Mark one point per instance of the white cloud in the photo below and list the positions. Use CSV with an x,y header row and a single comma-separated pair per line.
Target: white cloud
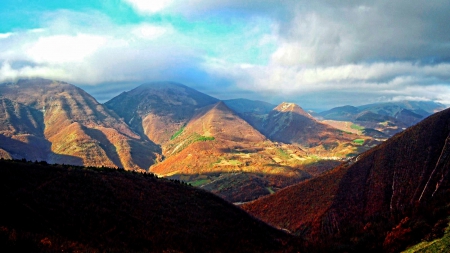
x,y
376,80
58,49
383,49
149,7
8,73
102,52
5,35
148,31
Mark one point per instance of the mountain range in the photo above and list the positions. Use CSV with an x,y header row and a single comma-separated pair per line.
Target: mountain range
x,y
382,200
239,149
380,120
60,123
172,130
328,189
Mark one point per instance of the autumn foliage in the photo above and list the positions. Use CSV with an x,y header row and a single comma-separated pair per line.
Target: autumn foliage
x,y
55,208
385,199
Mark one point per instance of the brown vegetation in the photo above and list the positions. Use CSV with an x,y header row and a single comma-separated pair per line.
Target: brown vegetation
x,y
55,208
60,123
363,204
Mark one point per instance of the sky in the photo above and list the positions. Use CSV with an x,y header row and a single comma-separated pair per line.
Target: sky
x,y
318,54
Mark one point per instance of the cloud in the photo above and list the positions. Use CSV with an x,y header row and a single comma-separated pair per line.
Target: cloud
x,y
318,52
329,33
147,31
9,73
57,49
92,55
149,7
5,35
359,83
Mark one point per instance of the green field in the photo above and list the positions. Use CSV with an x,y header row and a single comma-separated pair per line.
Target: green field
x,y
270,190
177,133
204,138
438,245
199,182
357,127
283,154
358,141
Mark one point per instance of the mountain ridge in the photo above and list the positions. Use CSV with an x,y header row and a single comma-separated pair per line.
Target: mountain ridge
x,y
54,208
402,179
158,109
75,128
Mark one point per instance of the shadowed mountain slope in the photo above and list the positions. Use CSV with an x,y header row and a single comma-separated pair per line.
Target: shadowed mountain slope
x,y
385,199
289,123
389,118
69,126
55,208
158,110
253,111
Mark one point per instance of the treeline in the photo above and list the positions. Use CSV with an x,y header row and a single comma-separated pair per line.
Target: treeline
x,y
145,174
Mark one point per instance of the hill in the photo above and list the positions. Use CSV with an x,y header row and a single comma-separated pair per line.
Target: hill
x,y
385,199
56,208
60,123
289,123
159,109
217,145
388,118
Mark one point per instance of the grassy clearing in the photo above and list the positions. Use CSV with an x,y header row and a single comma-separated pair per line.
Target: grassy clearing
x,y
283,154
234,162
177,133
189,140
358,141
204,138
224,162
357,127
199,182
438,245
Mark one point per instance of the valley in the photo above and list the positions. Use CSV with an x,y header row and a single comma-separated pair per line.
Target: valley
x,y
239,149
369,178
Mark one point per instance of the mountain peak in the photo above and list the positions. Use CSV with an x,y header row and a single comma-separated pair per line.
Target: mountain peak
x,y
160,85
285,106
159,109
292,107
222,106
382,187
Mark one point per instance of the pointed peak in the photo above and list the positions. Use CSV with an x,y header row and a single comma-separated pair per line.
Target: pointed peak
x,y
291,107
221,106
285,106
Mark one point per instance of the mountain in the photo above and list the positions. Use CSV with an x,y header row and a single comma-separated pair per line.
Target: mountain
x,y
289,123
63,208
21,129
216,144
341,113
388,118
385,199
423,108
60,123
157,110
